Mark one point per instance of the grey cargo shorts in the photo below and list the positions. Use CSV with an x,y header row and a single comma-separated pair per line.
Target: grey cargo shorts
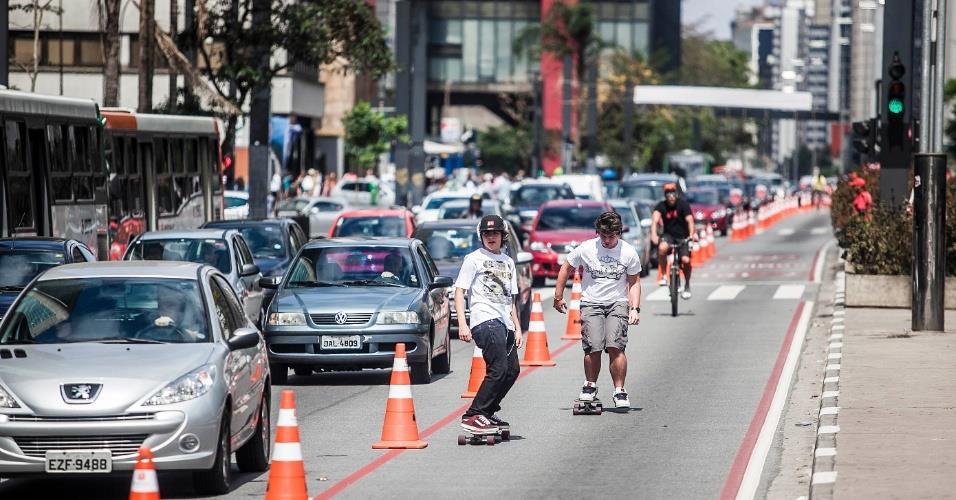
x,y
603,326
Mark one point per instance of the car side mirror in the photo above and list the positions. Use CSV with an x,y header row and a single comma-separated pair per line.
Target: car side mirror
x,y
416,210
244,338
270,282
646,222
626,229
249,270
314,210
441,282
524,258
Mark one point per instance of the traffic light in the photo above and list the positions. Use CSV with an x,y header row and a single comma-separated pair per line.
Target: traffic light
x,y
865,138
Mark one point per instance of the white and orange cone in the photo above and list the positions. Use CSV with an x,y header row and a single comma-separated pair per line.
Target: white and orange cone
x,y
573,329
711,243
536,353
400,429
478,371
145,486
287,472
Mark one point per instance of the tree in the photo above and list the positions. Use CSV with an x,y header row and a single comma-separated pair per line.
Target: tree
x,y
38,8
708,62
308,33
369,133
109,14
147,54
505,149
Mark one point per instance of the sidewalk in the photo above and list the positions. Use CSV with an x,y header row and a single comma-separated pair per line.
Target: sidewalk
x,y
896,434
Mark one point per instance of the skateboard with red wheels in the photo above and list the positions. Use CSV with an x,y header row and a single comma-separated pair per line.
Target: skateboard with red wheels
x,y
580,407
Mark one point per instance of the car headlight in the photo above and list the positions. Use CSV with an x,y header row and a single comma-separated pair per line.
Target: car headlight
x,y
286,319
189,386
6,400
699,215
718,214
398,318
538,246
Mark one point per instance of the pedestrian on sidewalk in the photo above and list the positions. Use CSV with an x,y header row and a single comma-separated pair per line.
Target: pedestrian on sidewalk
x,y
490,278
610,302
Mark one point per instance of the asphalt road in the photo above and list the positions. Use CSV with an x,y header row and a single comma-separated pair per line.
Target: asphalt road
x,y
695,384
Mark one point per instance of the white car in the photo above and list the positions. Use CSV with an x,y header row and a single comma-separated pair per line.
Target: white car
x,y
431,206
358,192
236,205
321,211
585,186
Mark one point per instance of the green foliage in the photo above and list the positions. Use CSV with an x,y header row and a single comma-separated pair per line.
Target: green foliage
x,y
369,133
709,62
505,149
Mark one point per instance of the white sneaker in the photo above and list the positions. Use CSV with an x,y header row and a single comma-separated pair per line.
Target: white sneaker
x,y
662,282
685,295
621,401
588,393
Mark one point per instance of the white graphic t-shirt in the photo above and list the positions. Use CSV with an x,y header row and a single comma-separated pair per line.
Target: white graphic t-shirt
x,y
604,277
492,282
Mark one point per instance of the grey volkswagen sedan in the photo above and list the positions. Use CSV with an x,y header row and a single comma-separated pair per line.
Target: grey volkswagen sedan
x,y
101,358
346,302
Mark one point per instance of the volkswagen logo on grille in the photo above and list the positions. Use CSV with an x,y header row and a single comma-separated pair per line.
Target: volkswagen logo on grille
x,y
79,394
341,318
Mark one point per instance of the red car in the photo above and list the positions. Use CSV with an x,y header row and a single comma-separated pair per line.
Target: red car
x,y
389,223
705,203
560,226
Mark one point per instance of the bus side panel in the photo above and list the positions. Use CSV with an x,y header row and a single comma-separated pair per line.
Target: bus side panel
x,y
190,216
80,222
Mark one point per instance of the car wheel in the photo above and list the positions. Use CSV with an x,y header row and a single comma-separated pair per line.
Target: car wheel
x,y
442,364
421,373
537,281
215,481
525,316
279,374
254,455
302,371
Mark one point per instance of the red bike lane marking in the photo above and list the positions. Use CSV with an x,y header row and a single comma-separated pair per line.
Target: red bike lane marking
x,y
370,467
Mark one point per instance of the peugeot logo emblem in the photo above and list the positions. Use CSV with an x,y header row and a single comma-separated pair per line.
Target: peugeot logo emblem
x,y
341,318
80,393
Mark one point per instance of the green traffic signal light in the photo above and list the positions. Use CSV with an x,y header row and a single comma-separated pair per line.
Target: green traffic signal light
x,y
895,105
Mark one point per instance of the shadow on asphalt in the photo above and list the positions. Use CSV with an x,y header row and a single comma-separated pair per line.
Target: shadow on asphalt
x,y
114,486
353,378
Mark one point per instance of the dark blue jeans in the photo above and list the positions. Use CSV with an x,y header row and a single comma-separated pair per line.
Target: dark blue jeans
x,y
497,345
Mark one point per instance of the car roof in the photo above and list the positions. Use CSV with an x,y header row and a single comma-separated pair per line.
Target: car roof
x,y
449,223
702,189
645,178
620,201
352,241
33,243
541,182
237,223
189,234
124,268
375,212
572,203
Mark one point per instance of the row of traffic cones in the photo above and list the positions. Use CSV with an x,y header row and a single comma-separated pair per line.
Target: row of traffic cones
x,y
705,249
746,224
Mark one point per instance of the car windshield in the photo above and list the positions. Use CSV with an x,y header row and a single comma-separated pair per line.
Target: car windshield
x,y
361,265
534,196
459,209
235,202
18,267
393,227
294,204
573,217
134,310
627,215
703,197
438,201
265,242
449,243
213,252
644,191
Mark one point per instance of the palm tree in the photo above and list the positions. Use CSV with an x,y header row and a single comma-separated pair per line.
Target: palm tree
x,y
110,16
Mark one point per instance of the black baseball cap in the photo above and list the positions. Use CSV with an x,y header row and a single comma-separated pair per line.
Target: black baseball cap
x,y
491,223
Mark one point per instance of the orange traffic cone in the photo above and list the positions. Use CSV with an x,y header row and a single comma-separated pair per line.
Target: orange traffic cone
x,y
573,330
478,372
144,486
400,429
287,472
695,255
703,247
537,353
712,241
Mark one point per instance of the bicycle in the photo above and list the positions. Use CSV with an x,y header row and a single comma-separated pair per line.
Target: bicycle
x,y
674,272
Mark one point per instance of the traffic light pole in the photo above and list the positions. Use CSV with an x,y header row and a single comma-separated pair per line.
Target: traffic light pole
x,y
929,181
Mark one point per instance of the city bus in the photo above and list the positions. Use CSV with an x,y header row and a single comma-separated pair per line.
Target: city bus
x,y
164,173
53,180
688,163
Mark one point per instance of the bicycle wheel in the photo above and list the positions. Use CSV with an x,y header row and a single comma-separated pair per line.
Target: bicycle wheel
x,y
674,279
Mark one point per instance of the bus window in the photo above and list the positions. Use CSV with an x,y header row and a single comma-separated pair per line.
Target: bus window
x,y
19,184
161,155
60,178
115,156
192,166
77,142
132,156
176,157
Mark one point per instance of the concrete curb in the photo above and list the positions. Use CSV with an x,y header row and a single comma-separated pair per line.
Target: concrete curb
x,y
824,474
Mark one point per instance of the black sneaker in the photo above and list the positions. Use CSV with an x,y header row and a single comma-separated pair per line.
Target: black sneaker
x,y
479,425
588,393
497,421
621,401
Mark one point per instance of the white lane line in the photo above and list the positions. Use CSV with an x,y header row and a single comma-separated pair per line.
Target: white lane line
x,y
836,328
825,452
830,410
831,380
726,292
829,429
836,345
818,267
836,320
836,336
661,294
830,394
758,457
832,367
835,355
820,230
839,312
786,232
789,292
828,477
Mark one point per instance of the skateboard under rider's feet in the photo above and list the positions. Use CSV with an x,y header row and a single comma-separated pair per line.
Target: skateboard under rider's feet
x,y
503,434
581,407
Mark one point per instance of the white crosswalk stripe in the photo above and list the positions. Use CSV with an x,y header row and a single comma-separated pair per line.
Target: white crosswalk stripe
x,y
789,292
661,294
786,232
726,292
820,230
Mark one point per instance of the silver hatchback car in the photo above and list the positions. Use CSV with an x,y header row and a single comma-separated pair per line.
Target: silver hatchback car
x,y
101,358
